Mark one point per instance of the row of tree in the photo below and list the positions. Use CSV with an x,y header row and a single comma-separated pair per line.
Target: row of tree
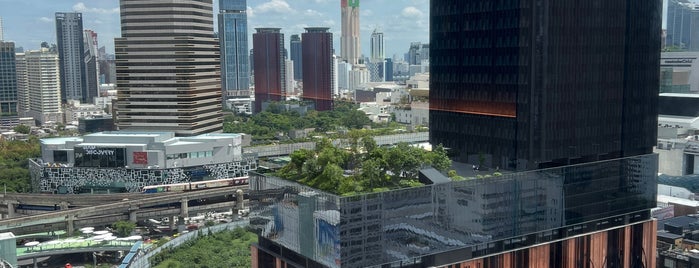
x,y
360,166
223,249
14,164
266,125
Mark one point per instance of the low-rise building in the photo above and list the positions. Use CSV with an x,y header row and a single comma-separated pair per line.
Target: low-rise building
x,y
128,161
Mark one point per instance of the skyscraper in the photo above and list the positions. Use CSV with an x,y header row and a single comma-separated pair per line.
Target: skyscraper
x,y
682,25
233,36
168,75
8,85
579,90
350,48
318,67
269,66
44,86
377,46
22,85
92,71
69,34
296,56
1,30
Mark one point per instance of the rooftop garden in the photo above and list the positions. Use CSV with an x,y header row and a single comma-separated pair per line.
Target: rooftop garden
x,y
360,166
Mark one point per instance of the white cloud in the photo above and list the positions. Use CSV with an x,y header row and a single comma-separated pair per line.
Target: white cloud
x,y
45,19
312,13
250,12
274,6
411,12
80,7
366,12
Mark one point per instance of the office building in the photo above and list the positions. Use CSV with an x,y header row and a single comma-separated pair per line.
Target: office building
x,y
43,88
127,161
8,86
570,124
69,35
343,75
297,56
377,46
388,69
168,71
318,67
1,30
682,25
233,37
269,66
350,48
92,71
679,72
289,76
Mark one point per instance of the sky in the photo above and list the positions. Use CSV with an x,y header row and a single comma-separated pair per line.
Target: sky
x,y
30,22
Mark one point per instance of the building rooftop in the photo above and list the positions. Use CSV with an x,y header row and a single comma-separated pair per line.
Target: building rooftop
x,y
4,236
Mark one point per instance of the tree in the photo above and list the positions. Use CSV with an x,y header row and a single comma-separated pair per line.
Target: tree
x,y
123,228
23,129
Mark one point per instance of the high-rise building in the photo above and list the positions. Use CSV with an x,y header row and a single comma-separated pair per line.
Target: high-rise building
x,y
297,56
8,86
22,85
682,25
289,76
168,71
554,102
69,35
233,36
269,66
377,46
350,48
526,95
1,30
44,86
318,67
343,75
92,71
388,69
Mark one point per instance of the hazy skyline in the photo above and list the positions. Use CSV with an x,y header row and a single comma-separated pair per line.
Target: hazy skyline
x,y
30,22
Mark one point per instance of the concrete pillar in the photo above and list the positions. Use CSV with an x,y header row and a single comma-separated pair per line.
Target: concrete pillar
x,y
181,225
184,208
132,216
70,224
240,198
171,220
11,206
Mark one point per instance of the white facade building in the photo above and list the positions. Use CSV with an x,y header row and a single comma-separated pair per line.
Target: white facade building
x,y
43,86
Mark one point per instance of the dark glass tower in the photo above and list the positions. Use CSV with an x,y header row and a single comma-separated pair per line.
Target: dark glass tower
x,y
296,56
8,85
317,67
69,35
269,67
233,36
534,84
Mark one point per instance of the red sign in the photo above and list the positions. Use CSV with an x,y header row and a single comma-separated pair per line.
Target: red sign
x,y
140,158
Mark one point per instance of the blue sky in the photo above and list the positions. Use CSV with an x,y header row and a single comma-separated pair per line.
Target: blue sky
x,y
29,22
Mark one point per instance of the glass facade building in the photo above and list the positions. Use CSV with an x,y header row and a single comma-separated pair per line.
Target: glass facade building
x,y
318,66
297,56
269,66
536,84
233,37
440,224
8,86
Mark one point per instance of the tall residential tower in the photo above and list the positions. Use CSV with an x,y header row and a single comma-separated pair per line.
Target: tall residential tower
x,y
269,66
69,35
350,48
318,67
168,72
233,37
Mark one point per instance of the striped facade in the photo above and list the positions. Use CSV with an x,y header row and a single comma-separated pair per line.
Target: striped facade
x,y
168,67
